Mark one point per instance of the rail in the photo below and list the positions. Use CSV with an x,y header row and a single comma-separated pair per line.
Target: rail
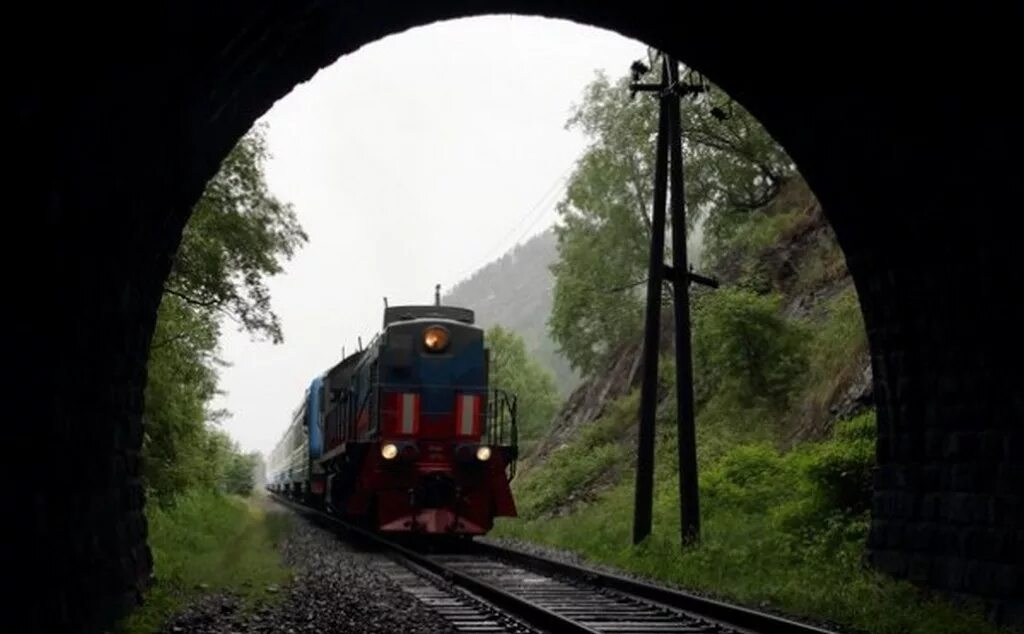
x,y
555,596
733,615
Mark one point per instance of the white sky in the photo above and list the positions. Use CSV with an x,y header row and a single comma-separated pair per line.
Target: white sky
x,y
411,162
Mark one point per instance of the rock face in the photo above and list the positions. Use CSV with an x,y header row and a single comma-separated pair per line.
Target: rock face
x,y
588,401
121,113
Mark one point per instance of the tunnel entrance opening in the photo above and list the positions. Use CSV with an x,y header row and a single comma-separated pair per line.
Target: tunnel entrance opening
x,y
934,288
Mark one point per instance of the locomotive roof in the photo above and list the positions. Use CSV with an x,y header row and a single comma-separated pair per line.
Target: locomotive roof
x,y
406,313
349,360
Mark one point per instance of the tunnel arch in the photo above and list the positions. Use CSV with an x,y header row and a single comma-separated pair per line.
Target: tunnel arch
x,y
115,156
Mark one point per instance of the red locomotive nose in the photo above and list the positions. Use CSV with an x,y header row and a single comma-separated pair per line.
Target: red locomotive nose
x,y
412,438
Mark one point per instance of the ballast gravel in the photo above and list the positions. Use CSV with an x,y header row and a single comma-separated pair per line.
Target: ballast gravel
x,y
335,589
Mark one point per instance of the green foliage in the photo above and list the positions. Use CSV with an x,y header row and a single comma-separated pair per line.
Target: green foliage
x,y
597,453
202,539
604,228
236,237
733,169
205,541
240,473
234,240
512,369
837,349
841,470
772,535
748,479
842,336
179,451
742,245
744,348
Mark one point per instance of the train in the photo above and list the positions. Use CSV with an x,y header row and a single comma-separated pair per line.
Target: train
x,y
405,435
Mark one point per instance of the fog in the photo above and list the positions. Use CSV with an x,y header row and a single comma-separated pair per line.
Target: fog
x,y
411,162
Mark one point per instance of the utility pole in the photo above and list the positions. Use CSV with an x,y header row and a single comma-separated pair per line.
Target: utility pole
x,y
644,492
669,155
686,438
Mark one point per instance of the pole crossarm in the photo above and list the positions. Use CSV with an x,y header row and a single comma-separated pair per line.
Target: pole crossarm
x,y
691,277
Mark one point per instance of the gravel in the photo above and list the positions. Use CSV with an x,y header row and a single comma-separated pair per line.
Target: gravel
x,y
335,589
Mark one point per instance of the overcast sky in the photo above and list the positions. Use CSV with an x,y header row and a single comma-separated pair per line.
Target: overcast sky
x,y
411,162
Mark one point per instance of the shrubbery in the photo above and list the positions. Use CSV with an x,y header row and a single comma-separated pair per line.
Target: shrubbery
x,y
237,237
841,469
780,529
742,347
512,369
595,454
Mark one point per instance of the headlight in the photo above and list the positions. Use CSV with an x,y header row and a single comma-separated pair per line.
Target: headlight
x,y
388,451
483,454
435,338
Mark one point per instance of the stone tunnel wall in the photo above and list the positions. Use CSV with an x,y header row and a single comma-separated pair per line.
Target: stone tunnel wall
x,y
948,507
117,128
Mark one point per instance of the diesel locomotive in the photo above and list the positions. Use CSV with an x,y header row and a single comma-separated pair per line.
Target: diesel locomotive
x,y
405,435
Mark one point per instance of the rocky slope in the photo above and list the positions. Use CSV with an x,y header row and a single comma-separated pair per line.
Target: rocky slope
x,y
804,264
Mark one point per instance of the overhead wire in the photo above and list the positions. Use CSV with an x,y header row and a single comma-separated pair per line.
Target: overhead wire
x,y
534,215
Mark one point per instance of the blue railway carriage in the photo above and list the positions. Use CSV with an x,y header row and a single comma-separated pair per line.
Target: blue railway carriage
x,y
289,470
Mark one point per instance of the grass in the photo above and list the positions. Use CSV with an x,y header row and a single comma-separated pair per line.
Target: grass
x,y
837,350
780,530
208,542
577,467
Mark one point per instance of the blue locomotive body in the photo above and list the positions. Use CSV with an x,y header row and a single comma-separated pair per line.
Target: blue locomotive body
x,y
405,435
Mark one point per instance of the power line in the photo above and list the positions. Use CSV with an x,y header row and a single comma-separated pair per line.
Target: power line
x,y
532,214
536,207
534,223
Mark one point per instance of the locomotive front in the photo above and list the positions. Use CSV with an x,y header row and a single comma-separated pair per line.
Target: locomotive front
x,y
446,440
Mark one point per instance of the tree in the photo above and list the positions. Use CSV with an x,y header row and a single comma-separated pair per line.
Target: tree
x,y
733,168
604,226
513,370
180,383
237,237
240,474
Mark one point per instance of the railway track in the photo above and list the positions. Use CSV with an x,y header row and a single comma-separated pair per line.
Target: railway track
x,y
465,612
487,588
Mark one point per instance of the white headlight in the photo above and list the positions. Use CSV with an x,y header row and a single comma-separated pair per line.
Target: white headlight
x,y
483,454
388,451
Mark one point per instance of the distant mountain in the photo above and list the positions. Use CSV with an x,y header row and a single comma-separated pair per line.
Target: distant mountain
x,y
515,291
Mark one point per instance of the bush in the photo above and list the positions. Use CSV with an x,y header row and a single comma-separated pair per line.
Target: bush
x,y
594,454
752,479
772,535
743,347
513,369
842,468
240,473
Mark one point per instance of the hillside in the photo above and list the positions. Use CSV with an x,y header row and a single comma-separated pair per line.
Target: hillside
x,y
514,291
792,253
785,475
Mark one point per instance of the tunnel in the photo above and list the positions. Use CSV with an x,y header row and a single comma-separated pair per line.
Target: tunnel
x,y
901,118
